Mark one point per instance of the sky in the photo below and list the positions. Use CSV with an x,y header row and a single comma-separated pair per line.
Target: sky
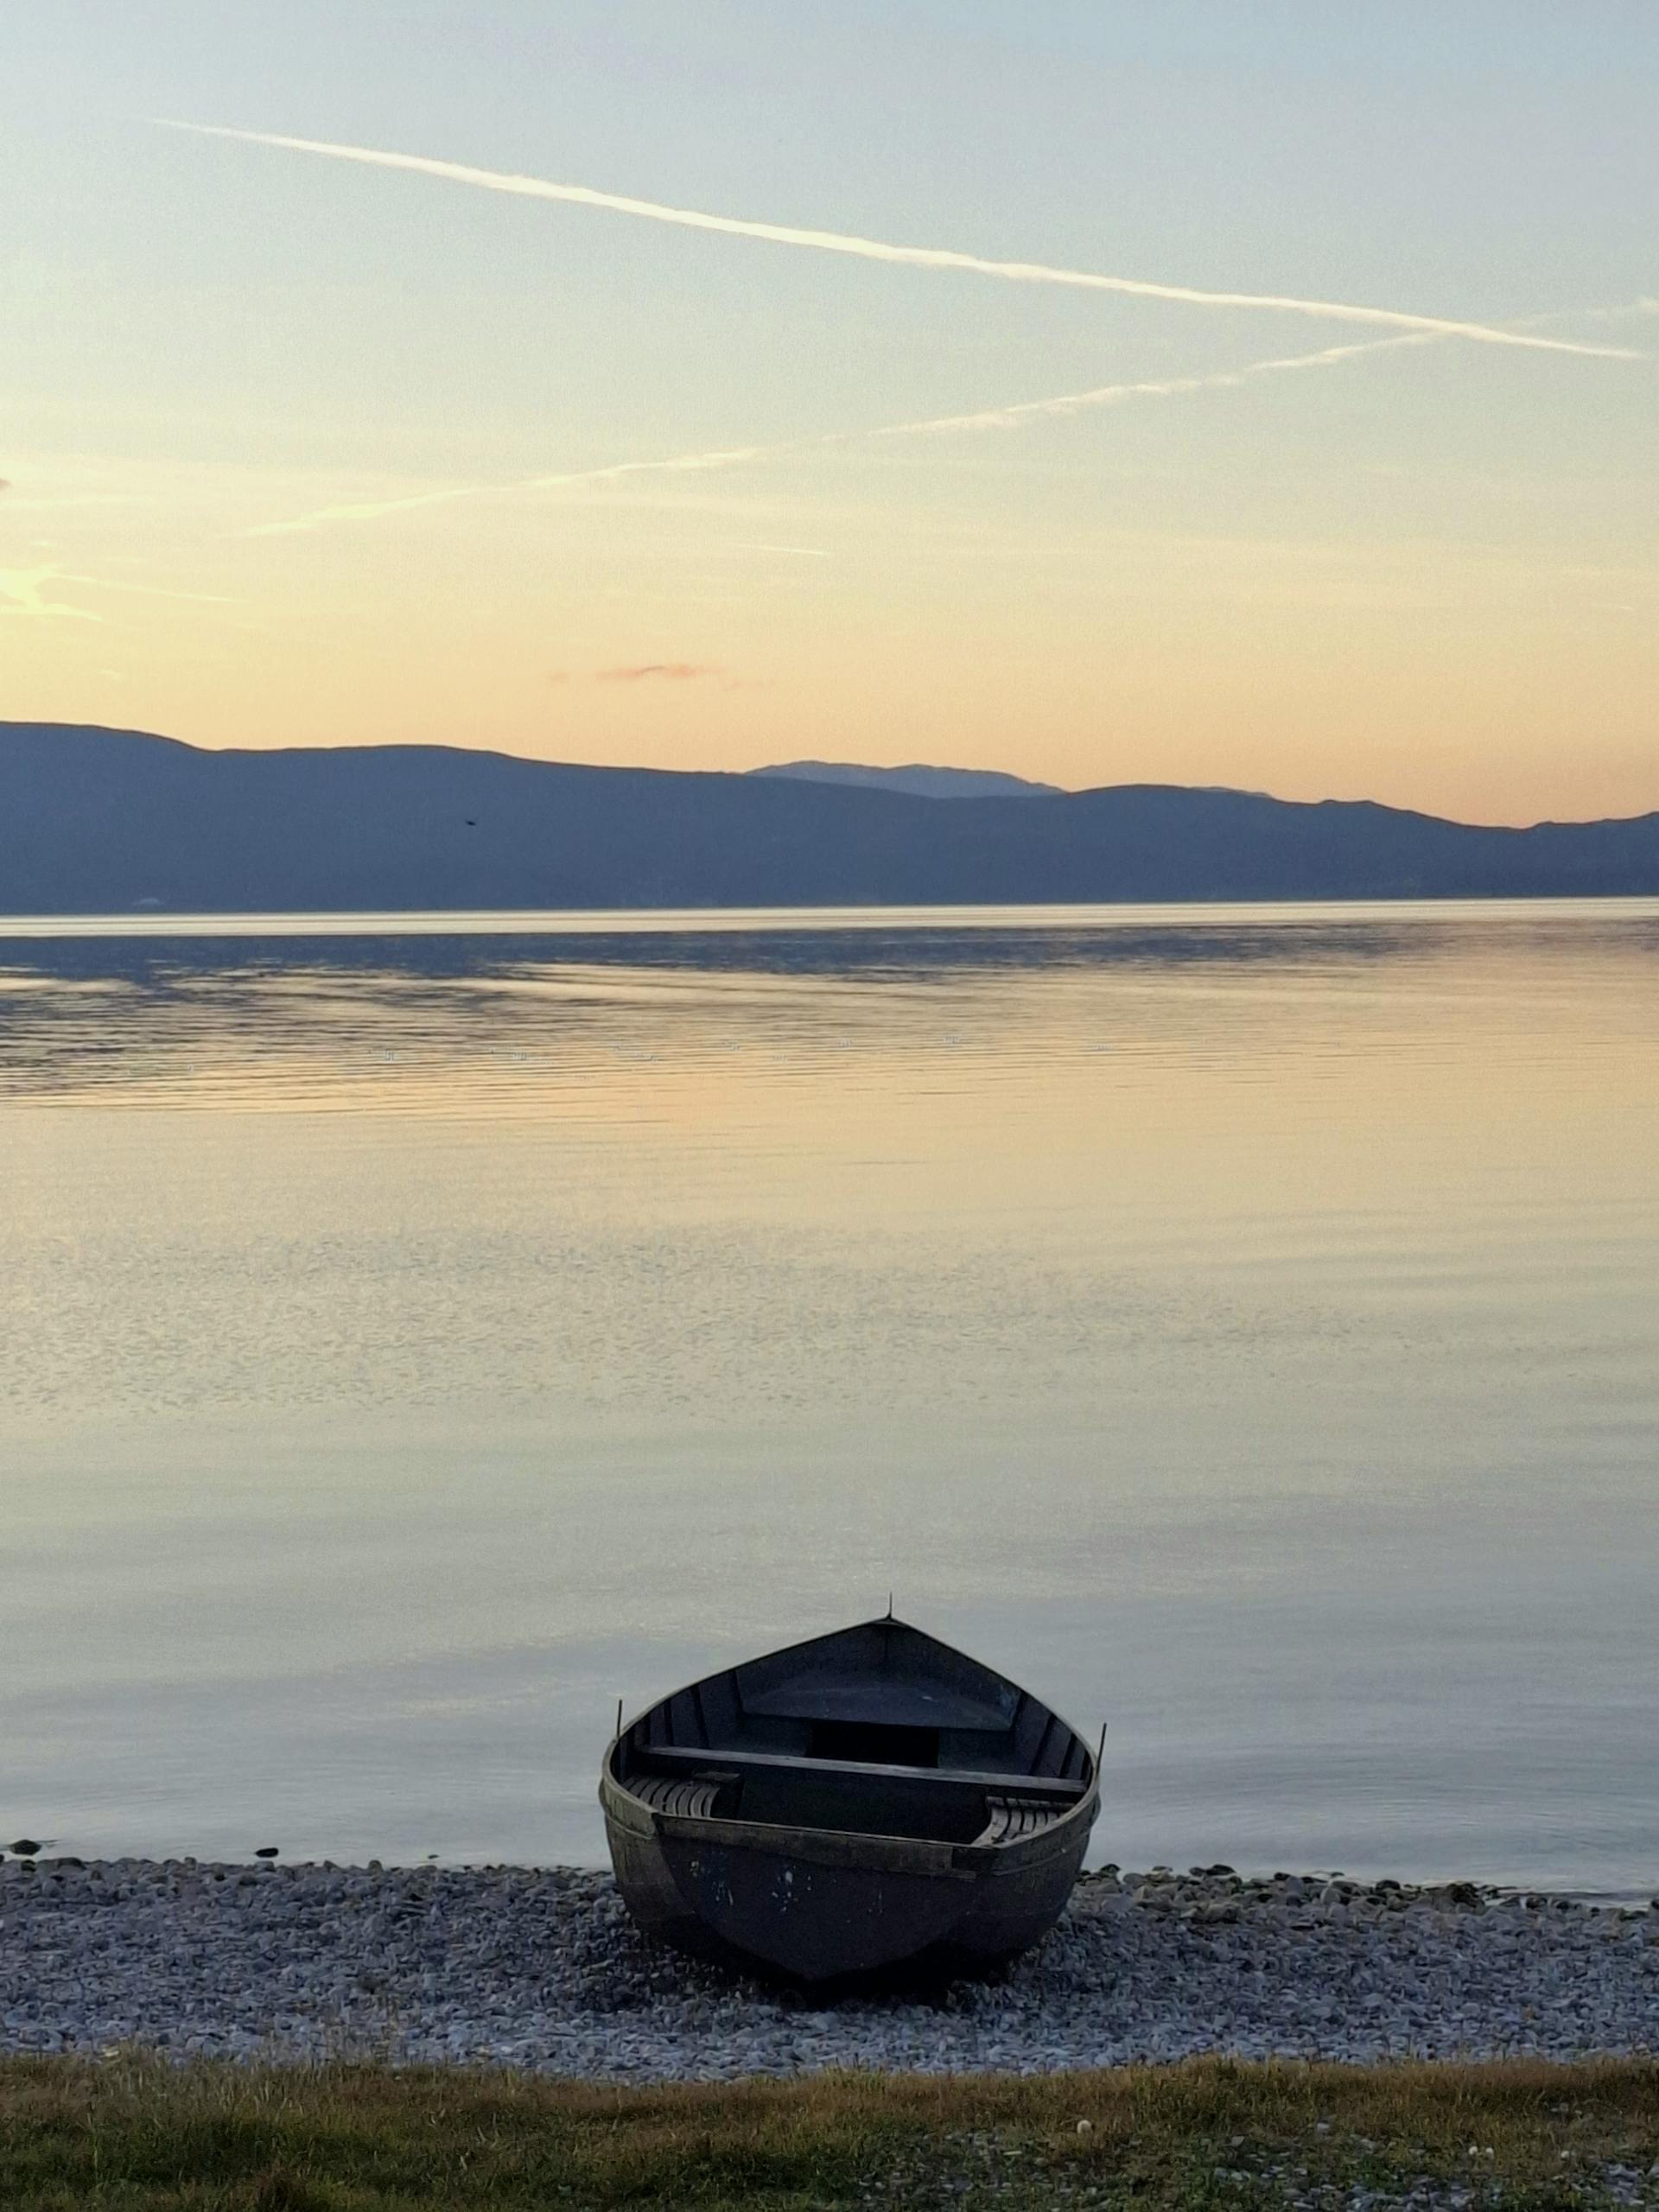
x,y
306,448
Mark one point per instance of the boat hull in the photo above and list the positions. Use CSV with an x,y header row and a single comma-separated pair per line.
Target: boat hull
x,y
814,1906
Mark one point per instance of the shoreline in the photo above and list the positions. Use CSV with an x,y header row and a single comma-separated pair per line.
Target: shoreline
x,y
540,1969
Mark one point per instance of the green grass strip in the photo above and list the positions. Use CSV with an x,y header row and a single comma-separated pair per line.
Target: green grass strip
x,y
134,2134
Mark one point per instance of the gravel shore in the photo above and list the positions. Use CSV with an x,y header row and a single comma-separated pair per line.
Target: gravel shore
x,y
541,1969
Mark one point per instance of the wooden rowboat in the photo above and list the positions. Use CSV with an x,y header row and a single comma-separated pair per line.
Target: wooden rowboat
x,y
865,1801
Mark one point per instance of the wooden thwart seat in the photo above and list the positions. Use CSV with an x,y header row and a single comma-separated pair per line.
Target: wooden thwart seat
x,y
1012,1819
1063,1789
692,1797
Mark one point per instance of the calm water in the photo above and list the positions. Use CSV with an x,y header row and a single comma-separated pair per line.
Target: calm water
x,y
1242,1325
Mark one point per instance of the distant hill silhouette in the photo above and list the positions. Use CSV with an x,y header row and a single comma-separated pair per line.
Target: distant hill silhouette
x,y
105,821
921,781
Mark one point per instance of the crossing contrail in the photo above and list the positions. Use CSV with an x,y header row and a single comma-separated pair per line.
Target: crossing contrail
x,y
1013,416
989,418
370,510
915,257
1115,395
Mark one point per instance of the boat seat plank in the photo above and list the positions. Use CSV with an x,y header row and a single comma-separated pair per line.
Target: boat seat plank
x,y
1051,1789
689,1797
1012,1819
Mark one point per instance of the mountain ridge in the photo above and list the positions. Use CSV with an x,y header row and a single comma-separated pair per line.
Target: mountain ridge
x,y
99,820
920,777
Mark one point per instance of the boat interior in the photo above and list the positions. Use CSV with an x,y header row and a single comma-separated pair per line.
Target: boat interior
x,y
876,1730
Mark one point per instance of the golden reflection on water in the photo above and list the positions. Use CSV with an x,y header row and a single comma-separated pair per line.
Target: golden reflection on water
x,y
1242,1322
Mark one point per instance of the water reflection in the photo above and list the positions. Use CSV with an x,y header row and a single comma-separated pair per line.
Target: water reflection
x,y
1240,1324
144,1008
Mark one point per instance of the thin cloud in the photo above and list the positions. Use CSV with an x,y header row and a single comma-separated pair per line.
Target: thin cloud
x,y
665,671
22,504
1644,305
754,545
25,589
916,257
150,591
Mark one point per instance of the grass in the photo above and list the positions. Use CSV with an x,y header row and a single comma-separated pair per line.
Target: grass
x,y
132,2134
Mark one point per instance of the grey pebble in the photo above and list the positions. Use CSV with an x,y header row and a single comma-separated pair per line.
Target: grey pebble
x,y
541,1969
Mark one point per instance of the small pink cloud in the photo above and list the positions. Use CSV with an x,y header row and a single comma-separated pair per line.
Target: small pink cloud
x,y
668,672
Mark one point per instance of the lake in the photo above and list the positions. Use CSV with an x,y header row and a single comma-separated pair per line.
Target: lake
x,y
1240,1324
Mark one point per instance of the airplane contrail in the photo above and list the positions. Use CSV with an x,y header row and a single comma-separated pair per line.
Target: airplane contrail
x,y
1114,395
369,510
990,418
916,257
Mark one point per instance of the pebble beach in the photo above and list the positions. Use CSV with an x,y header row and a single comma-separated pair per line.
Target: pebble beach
x,y
540,1968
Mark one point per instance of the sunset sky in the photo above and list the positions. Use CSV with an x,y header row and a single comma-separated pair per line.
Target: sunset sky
x,y
305,447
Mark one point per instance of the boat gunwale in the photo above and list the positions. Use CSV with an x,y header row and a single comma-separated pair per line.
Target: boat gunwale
x,y
920,1854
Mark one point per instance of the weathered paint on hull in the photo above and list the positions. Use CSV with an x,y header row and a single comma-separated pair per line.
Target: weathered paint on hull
x,y
817,1908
